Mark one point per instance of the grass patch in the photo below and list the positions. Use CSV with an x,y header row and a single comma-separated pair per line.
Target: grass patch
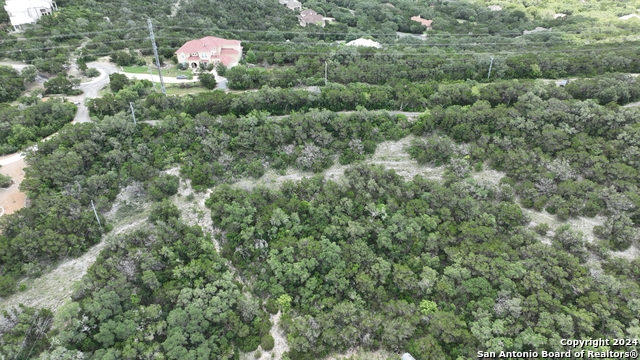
x,y
170,72
175,89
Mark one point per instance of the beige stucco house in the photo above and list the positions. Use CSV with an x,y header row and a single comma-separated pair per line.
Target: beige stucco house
x,y
210,50
22,12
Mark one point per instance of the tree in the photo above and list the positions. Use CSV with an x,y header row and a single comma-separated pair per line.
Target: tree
x,y
207,80
221,69
117,82
251,57
82,65
267,342
58,85
11,84
29,74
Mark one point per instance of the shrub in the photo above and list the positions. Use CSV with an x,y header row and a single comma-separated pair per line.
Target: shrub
x,y
267,343
163,186
255,169
541,229
5,181
92,72
271,306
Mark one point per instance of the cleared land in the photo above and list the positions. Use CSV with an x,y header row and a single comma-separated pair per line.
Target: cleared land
x,y
12,199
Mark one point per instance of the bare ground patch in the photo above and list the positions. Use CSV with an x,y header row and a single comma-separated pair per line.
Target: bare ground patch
x,y
359,354
390,154
192,208
12,199
583,224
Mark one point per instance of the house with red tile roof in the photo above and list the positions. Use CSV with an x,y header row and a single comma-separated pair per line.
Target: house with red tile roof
x,y
422,21
210,50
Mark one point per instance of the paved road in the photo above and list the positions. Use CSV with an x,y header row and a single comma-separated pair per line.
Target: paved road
x,y
92,89
10,159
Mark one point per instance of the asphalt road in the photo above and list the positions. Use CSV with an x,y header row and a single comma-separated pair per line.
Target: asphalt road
x,y
92,89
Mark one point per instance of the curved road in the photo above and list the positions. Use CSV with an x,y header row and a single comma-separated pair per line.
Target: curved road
x,y
92,89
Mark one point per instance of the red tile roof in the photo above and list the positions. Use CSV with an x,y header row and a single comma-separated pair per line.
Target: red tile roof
x,y
229,52
226,60
193,58
205,44
422,21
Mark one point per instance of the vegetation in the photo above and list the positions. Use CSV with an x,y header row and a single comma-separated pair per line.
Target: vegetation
x,y
21,127
371,260
11,84
5,181
374,261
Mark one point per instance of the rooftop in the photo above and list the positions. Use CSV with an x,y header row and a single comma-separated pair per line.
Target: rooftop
x,y
422,21
364,42
205,44
313,19
22,5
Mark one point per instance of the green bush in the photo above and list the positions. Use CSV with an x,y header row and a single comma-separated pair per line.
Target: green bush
x,y
7,285
267,343
541,229
92,72
255,169
5,181
163,211
271,306
163,186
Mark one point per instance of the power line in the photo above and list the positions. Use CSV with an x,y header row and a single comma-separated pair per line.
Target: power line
x,y
300,31
155,53
285,51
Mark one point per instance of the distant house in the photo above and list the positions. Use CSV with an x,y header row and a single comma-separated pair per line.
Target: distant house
x,y
407,356
495,7
537,29
22,12
364,43
293,5
312,19
308,12
210,50
563,82
422,21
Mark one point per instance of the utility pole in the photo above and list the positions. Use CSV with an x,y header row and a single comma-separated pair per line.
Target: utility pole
x,y
152,82
490,65
95,212
155,53
132,113
325,73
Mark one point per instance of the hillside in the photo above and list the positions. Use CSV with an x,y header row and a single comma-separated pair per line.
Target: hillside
x,y
443,195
